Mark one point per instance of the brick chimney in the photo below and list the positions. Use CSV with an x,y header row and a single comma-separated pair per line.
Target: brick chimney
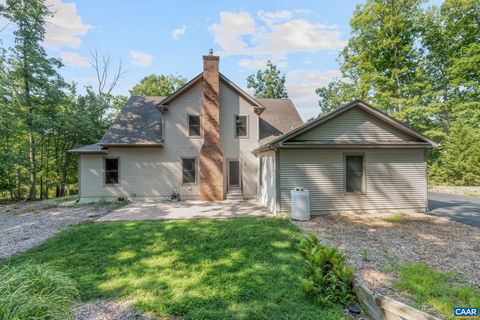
x,y
211,155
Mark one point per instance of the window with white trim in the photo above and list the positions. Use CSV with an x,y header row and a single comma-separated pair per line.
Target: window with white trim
x,y
189,173
241,126
194,129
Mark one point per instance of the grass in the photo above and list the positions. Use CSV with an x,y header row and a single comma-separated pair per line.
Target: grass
x,y
245,268
396,219
31,291
441,291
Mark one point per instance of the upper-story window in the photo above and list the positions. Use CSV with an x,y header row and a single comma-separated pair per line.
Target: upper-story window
x,y
194,129
241,126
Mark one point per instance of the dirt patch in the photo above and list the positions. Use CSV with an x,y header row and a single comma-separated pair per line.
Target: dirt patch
x,y
374,245
108,310
25,225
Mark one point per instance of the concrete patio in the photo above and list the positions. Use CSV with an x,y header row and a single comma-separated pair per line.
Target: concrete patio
x,y
187,210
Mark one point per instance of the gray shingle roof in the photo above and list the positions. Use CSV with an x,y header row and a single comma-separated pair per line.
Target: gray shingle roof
x,y
280,116
91,148
138,123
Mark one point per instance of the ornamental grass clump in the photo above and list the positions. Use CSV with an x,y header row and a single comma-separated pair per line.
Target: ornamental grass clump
x,y
36,292
329,278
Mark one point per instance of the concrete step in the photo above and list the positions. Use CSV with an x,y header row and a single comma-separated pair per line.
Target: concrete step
x,y
235,194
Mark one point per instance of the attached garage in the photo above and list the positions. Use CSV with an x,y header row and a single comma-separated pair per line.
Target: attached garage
x,y
353,159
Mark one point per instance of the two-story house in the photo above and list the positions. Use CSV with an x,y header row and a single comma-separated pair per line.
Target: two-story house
x,y
210,140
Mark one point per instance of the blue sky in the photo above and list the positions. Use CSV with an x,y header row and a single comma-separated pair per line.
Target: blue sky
x,y
169,37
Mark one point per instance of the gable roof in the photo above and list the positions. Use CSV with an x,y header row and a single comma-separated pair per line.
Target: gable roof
x,y
422,140
138,123
225,80
279,117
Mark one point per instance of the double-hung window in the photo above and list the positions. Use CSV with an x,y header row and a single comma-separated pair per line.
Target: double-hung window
x,y
189,173
241,126
194,129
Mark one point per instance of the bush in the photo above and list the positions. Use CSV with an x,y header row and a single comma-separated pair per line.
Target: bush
x,y
329,278
36,292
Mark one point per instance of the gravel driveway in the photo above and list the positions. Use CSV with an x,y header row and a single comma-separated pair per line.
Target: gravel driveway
x,y
372,244
28,224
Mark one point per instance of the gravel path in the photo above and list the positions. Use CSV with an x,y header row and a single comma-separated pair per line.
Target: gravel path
x,y
372,244
107,310
26,225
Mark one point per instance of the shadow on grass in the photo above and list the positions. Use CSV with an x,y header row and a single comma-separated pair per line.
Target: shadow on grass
x,y
199,269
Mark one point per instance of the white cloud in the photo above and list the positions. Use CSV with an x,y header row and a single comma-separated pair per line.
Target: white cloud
x,y
140,58
259,63
298,35
231,29
270,17
301,85
252,63
279,34
178,32
75,60
66,27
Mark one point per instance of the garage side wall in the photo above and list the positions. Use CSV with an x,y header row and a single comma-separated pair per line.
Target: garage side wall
x,y
395,179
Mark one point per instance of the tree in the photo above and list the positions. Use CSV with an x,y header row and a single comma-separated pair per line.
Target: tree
x,y
451,38
158,85
459,163
268,83
335,94
382,56
34,81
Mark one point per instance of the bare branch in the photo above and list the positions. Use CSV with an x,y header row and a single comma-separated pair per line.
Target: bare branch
x,y
102,66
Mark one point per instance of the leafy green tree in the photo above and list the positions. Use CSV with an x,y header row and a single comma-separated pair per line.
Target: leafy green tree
x,y
33,79
451,38
158,85
381,54
335,94
268,83
459,163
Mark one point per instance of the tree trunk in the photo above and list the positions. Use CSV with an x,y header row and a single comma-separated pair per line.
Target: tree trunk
x,y
18,184
33,171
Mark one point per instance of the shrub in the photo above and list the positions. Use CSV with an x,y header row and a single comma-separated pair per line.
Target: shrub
x,y
329,278
36,292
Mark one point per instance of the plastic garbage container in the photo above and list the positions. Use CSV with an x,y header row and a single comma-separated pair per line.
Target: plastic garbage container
x,y
300,204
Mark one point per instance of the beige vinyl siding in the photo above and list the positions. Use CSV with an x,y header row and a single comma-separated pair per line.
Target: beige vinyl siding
x,y
240,148
354,125
267,187
395,179
150,173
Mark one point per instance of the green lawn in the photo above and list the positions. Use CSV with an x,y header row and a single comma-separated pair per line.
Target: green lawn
x,y
199,269
441,291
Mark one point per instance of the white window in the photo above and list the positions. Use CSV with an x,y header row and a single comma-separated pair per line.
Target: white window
x,y
194,129
189,173
241,126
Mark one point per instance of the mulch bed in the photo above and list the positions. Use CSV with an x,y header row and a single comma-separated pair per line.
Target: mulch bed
x,y
373,245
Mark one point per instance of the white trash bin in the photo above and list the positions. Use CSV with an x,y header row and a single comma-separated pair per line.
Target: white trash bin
x,y
300,204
